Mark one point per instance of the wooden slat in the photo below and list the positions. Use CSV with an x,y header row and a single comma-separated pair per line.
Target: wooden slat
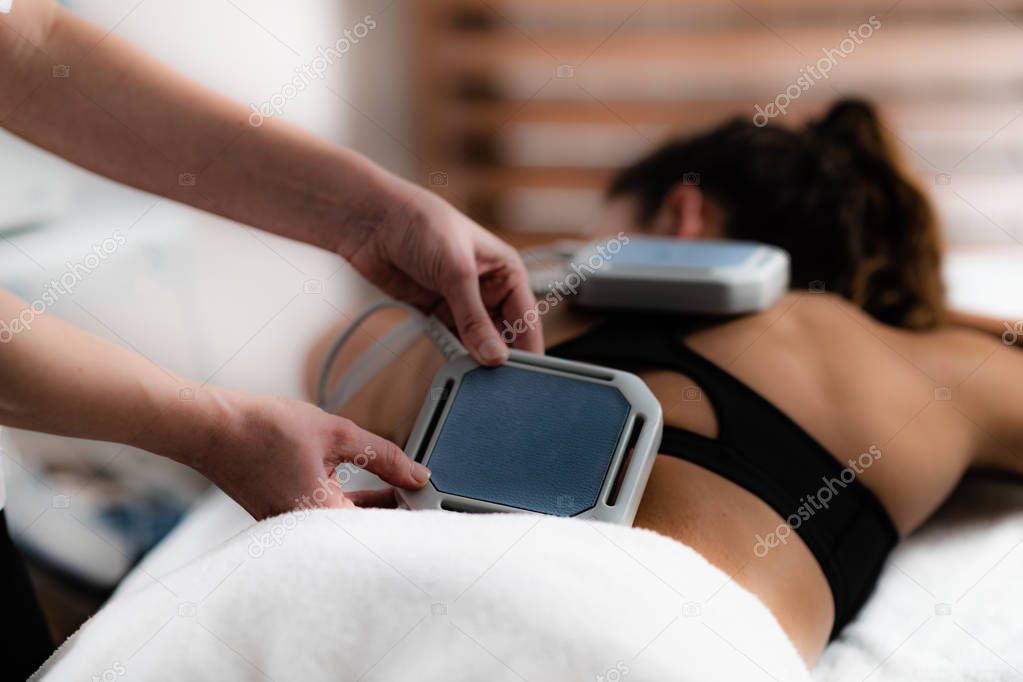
x,y
494,116
984,51
496,180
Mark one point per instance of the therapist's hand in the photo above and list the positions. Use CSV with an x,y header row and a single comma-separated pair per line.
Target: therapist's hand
x,y
274,455
426,253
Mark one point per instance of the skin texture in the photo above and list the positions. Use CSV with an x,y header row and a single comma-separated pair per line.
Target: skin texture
x,y
121,114
933,404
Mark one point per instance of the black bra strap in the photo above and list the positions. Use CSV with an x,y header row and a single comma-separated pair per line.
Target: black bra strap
x,y
656,342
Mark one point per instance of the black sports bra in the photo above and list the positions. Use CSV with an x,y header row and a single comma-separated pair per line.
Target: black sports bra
x,y
761,449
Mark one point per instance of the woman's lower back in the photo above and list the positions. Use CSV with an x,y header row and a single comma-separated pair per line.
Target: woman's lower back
x,y
723,522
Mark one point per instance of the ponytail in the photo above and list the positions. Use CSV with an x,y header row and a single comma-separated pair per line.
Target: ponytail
x,y
897,278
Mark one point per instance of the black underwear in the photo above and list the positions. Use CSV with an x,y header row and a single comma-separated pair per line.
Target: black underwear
x,y
761,449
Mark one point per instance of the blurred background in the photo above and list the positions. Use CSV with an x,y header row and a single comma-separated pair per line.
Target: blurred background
x,y
527,104
514,110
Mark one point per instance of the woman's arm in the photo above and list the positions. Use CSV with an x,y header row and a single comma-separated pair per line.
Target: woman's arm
x,y
993,400
120,113
1008,332
979,375
270,454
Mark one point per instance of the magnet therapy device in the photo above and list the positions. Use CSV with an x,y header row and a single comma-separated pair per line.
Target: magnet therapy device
x,y
552,436
664,274
536,434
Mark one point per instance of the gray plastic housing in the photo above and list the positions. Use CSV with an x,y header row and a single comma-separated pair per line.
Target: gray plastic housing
x,y
667,274
626,474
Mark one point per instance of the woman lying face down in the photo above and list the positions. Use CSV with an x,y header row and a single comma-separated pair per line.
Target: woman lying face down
x,y
803,441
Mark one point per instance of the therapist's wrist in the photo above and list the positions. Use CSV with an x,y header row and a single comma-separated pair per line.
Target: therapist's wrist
x,y
190,421
383,202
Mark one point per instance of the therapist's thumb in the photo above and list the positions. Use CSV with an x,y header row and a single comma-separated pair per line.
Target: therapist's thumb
x,y
475,327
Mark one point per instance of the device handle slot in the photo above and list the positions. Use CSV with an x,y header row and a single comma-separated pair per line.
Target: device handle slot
x,y
431,428
578,369
465,507
636,426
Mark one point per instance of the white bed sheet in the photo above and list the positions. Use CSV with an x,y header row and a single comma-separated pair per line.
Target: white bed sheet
x,y
948,603
947,606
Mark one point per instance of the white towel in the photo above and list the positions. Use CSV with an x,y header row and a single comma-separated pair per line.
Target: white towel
x,y
389,595
947,605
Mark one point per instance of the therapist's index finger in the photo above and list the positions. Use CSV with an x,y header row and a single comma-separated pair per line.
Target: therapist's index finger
x,y
354,445
475,328
523,328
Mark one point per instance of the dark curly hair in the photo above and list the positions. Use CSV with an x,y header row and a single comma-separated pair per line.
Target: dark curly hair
x,y
833,194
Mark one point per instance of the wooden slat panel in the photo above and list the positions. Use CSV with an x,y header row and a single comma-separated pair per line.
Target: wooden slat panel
x,y
931,115
949,74
986,52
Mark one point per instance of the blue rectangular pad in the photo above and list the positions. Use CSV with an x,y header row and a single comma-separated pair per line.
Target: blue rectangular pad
x,y
532,440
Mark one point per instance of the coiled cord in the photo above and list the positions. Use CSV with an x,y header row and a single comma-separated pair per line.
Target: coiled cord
x,y
383,352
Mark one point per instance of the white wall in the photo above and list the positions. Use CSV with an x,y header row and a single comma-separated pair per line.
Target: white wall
x,y
247,49
377,85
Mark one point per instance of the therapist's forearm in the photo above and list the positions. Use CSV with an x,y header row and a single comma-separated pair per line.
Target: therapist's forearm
x,y
58,379
124,115
269,453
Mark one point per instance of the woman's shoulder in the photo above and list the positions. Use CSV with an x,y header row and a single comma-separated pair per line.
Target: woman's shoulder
x,y
806,325
825,339
815,319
